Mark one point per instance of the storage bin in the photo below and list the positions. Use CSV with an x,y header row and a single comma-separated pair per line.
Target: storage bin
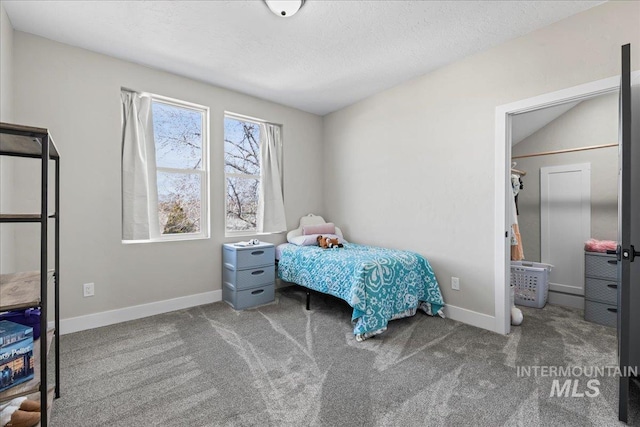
x,y
600,265
247,279
239,257
599,290
248,274
531,282
604,314
241,300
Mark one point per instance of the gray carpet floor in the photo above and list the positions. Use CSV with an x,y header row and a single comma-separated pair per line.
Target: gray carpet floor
x,y
280,365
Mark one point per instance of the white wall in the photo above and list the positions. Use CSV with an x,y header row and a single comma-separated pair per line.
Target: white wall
x,y
7,261
6,66
592,122
76,94
414,165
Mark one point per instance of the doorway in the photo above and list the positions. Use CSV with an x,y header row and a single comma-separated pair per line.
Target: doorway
x,y
503,188
570,189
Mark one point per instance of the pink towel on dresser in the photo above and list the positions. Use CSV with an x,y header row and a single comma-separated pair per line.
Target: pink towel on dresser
x,y
593,245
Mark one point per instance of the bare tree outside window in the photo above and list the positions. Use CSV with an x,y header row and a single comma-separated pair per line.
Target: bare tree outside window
x,y
178,134
242,173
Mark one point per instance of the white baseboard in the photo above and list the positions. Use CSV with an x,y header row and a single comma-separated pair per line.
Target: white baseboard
x,y
470,317
566,300
105,318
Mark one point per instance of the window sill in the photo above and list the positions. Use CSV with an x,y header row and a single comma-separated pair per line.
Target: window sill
x,y
234,234
177,238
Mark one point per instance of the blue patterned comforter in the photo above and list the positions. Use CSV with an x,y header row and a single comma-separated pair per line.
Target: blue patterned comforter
x,y
380,284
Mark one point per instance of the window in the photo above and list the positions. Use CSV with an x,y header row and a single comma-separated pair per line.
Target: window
x,y
242,173
164,169
180,137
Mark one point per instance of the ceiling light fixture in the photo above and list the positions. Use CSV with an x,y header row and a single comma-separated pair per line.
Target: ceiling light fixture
x,y
284,8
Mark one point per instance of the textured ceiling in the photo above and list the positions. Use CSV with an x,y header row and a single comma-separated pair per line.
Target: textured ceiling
x,y
329,55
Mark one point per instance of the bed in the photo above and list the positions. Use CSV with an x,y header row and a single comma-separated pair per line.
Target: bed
x,y
379,284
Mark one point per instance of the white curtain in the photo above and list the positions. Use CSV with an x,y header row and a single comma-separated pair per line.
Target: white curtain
x,y
271,217
139,182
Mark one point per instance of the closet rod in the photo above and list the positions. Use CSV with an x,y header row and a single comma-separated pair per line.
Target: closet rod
x,y
568,150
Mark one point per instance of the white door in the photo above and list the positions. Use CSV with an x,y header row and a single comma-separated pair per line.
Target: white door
x,y
565,222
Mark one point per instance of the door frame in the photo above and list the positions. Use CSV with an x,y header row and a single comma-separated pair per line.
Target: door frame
x,y
502,243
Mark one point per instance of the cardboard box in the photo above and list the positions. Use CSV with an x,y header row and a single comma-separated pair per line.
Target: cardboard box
x,y
16,354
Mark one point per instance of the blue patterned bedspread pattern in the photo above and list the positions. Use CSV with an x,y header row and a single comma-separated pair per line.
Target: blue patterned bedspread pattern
x,y
377,282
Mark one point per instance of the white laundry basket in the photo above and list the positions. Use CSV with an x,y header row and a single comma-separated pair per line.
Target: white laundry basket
x,y
531,282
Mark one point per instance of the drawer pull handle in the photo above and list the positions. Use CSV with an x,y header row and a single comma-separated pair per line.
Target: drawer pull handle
x,y
258,292
257,252
613,310
612,286
613,261
257,272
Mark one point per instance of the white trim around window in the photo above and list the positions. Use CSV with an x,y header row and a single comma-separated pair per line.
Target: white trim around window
x,y
203,172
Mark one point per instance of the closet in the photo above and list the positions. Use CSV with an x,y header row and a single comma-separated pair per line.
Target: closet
x,y
565,164
30,289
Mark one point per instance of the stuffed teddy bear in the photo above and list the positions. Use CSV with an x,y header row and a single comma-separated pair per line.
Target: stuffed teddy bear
x,y
329,242
19,412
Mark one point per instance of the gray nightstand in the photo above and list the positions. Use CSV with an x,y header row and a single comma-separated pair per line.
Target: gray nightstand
x,y
248,275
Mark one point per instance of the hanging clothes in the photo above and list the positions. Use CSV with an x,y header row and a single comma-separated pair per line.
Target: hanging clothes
x,y
516,186
517,253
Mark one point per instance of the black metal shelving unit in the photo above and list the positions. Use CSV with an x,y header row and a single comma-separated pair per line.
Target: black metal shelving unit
x,y
29,289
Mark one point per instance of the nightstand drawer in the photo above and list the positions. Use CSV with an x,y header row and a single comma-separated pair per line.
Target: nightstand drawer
x,y
251,278
604,314
600,265
601,290
240,300
249,257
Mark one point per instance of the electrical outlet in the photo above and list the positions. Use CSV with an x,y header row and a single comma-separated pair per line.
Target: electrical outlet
x,y
88,289
455,283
